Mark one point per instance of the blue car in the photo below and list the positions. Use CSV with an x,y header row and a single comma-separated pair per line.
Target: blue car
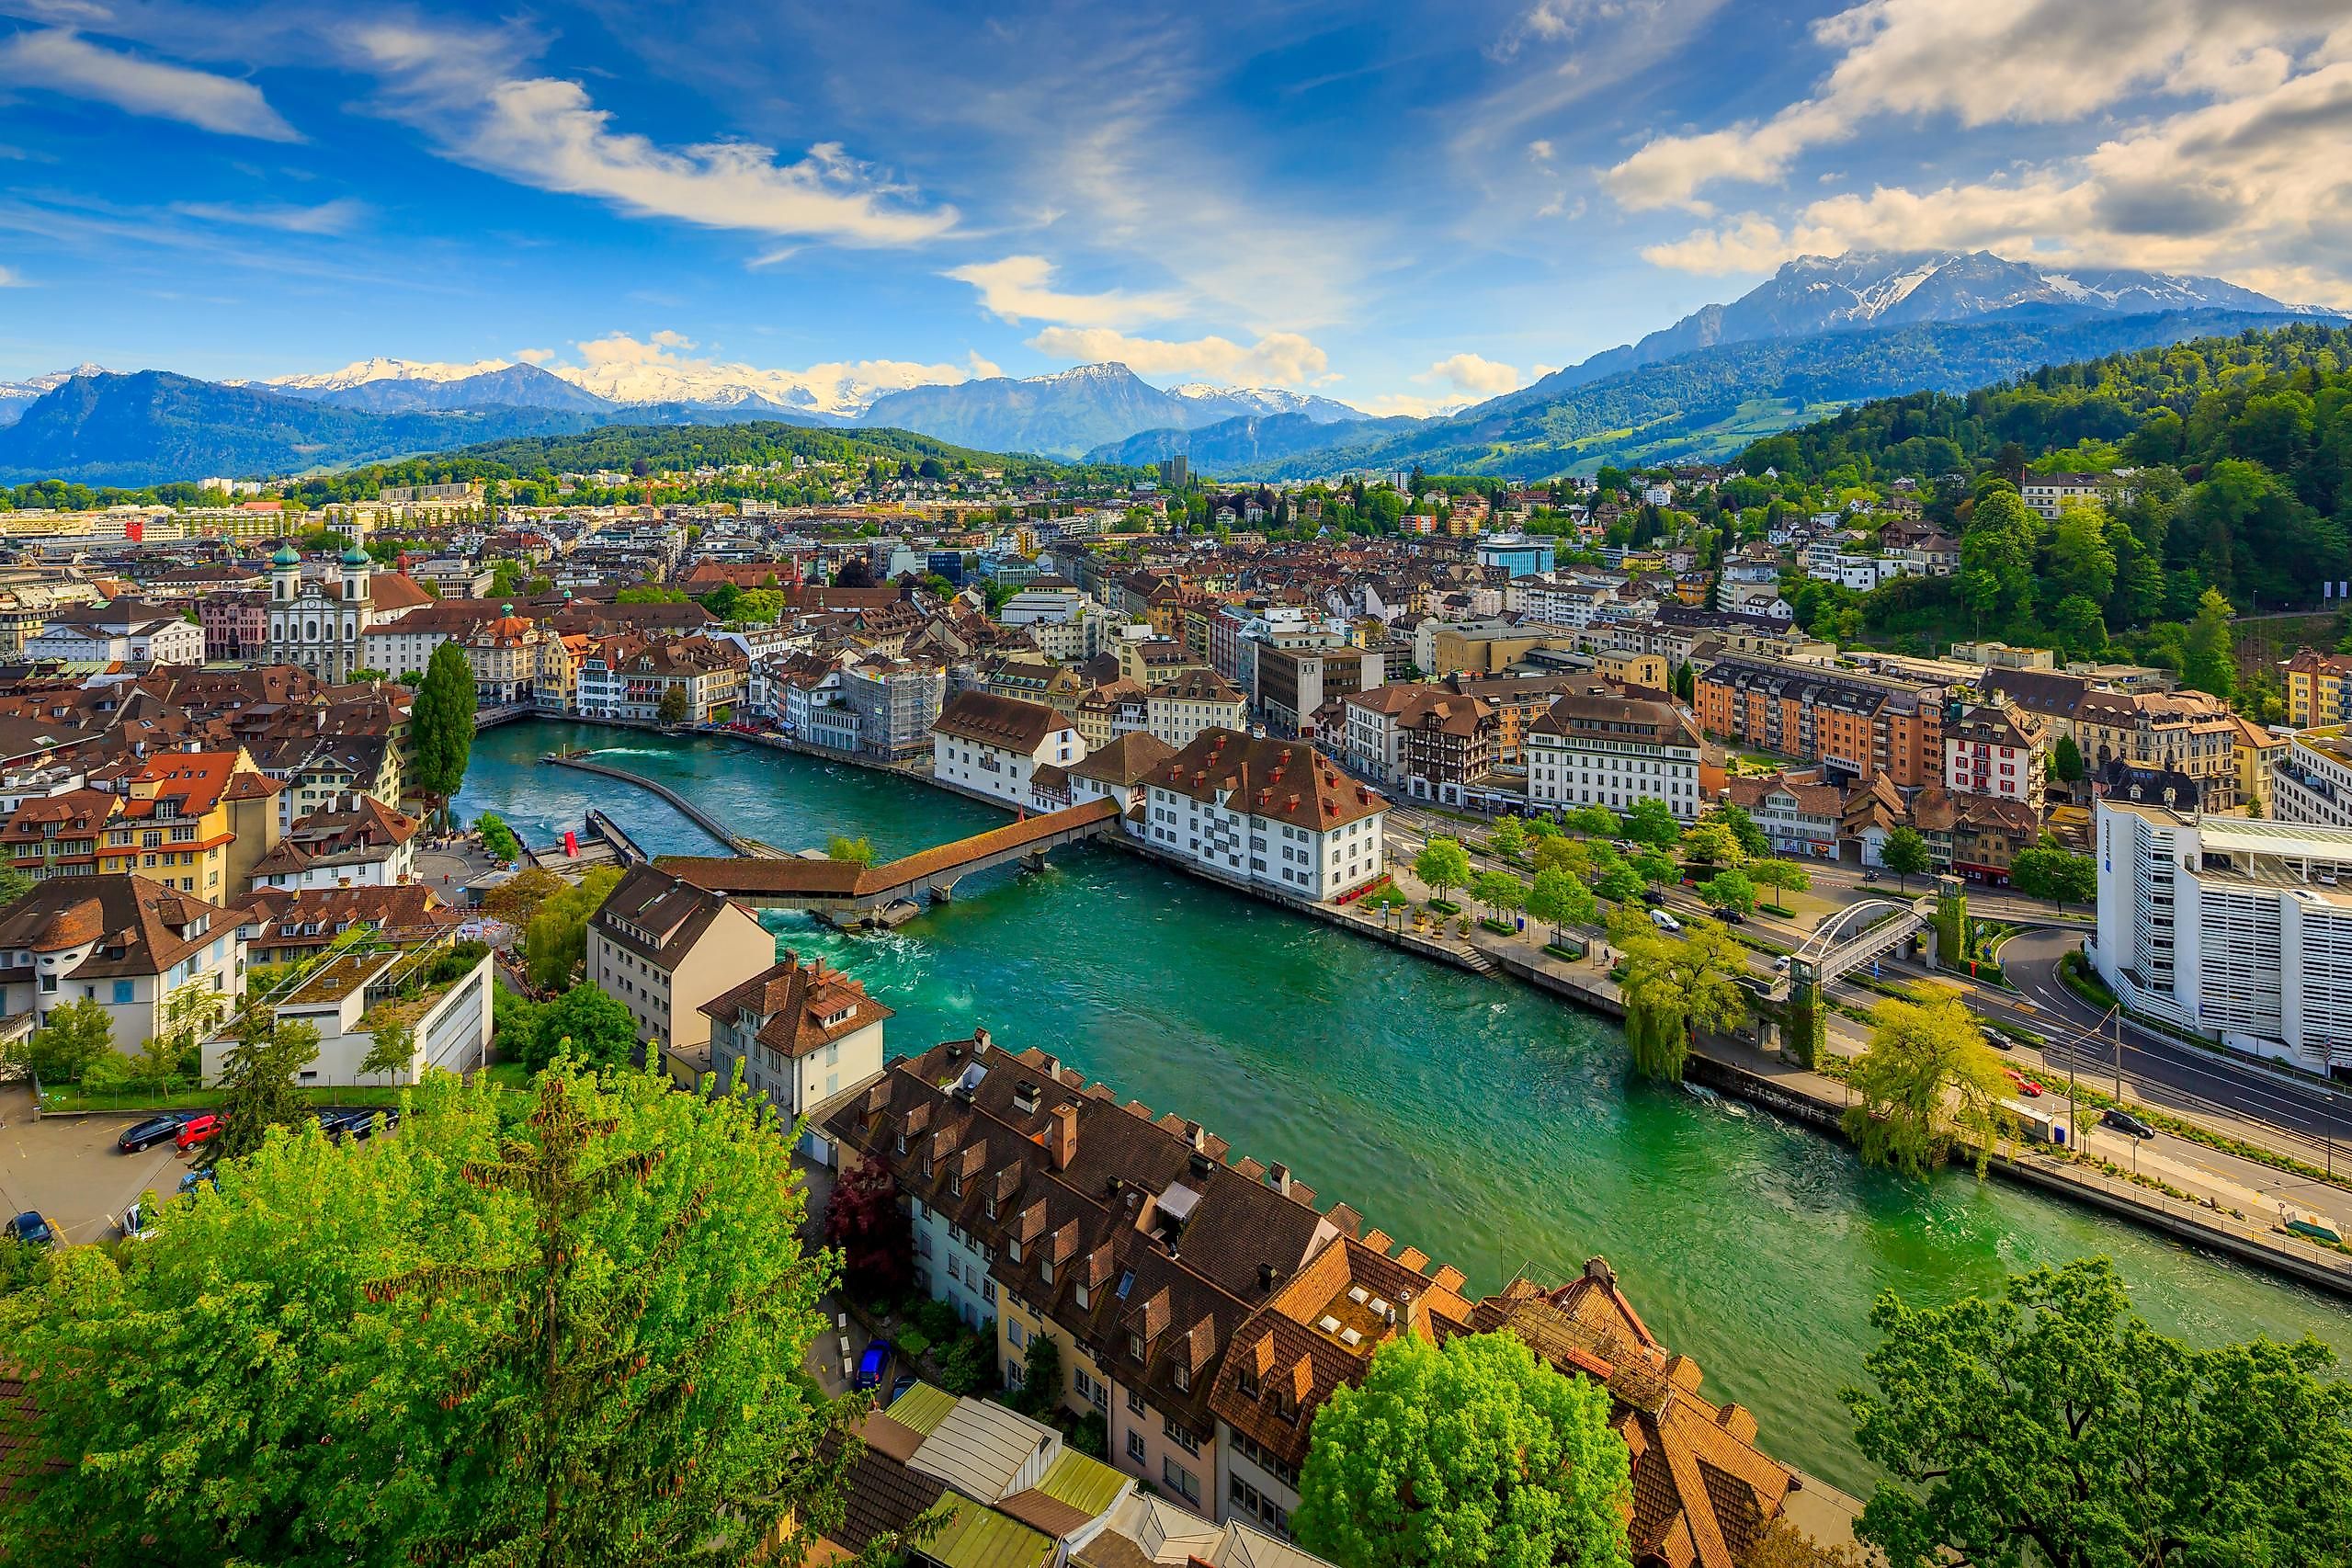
x,y
874,1365
33,1230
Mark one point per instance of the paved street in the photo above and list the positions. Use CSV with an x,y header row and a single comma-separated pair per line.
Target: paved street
x,y
69,1170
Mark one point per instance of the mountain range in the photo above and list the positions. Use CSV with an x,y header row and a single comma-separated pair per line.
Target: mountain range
x,y
1820,333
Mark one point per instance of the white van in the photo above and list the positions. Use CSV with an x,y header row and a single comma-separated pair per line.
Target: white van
x,y
1664,921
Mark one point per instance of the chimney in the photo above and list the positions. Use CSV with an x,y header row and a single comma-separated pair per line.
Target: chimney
x,y
980,1037
1267,1273
1061,1136
1279,1177
1052,1065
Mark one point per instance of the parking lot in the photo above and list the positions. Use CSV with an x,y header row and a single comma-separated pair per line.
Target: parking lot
x,y
68,1170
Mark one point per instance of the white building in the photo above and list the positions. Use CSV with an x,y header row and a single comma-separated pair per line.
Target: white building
x,y
318,625
995,745
349,998
2311,781
122,632
662,948
801,1034
1269,813
1600,749
2237,929
1194,701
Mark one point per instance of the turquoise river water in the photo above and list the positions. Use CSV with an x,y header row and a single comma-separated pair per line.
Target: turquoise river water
x,y
1485,1124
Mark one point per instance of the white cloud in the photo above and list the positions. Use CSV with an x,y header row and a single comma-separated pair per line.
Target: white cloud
x,y
60,60
12,279
1540,150
547,133
1983,62
1018,288
1281,358
535,355
336,216
1472,373
983,369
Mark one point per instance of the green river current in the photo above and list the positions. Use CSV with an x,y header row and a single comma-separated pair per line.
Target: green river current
x,y
1488,1126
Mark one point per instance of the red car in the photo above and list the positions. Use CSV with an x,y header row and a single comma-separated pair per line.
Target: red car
x,y
2026,1086
200,1130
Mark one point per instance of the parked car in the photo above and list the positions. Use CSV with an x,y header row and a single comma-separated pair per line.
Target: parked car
x,y
30,1229
357,1125
1731,916
898,1390
190,1181
1653,895
137,1222
873,1366
2125,1122
1781,962
1664,921
147,1134
201,1128
2024,1084
1998,1040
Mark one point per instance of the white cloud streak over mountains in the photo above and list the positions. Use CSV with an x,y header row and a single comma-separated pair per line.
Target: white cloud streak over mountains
x,y
58,59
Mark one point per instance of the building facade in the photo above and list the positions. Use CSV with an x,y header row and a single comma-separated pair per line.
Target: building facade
x,y
1599,748
1265,811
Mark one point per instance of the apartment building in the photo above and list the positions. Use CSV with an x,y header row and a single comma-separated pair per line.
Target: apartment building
x,y
2239,929
2051,493
1265,811
126,942
1601,748
124,631
1196,701
896,702
2312,779
995,746
2319,688
628,678
800,1033
2172,732
1798,818
193,820
662,948
355,841
1294,685
1996,749
1855,725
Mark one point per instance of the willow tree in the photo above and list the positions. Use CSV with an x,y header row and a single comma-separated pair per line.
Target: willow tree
x,y
1927,1087
1674,987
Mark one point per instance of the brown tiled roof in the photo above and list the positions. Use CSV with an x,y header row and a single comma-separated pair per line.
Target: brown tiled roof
x,y
145,920
1284,780
1128,759
675,913
792,1000
1005,722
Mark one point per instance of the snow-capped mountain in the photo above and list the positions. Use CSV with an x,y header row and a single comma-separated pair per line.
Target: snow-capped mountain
x,y
361,372
18,396
1230,402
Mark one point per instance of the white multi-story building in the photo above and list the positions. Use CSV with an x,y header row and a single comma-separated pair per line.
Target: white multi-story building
x,y
1267,811
122,632
995,745
2310,780
1996,749
1194,701
1597,748
2238,928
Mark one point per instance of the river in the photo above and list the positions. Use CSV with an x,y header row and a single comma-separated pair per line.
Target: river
x,y
1485,1124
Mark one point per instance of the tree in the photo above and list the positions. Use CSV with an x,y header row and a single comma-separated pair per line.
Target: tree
x,y
191,1014
1475,1456
2053,1426
674,708
2068,760
858,852
2049,871
1618,882
497,837
1508,838
260,1080
1780,876
513,900
1042,1377
1563,899
13,885
440,724
1651,821
580,1341
75,1036
1594,822
391,1042
1443,863
1572,855
586,1024
864,1225
1657,868
1744,828
1674,986
1905,853
1729,890
2212,661
555,941
1499,891
1714,842
1925,1084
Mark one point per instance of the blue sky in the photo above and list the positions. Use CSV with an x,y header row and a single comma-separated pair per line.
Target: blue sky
x,y
1398,205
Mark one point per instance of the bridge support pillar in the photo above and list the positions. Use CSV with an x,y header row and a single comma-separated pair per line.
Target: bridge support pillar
x,y
1033,861
1805,1027
941,892
1950,922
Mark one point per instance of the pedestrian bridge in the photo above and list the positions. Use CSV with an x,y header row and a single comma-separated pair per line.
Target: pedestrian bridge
x,y
1848,940
843,888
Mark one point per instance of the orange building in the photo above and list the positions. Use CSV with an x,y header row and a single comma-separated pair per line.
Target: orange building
x,y
1855,726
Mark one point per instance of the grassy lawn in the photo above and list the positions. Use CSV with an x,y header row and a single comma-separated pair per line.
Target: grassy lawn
x,y
70,1098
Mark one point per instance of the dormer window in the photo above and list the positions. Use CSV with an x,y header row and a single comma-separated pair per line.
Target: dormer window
x,y
991,1206
898,1144
955,1184
1247,1382
1182,1376
1135,1346
1045,1269
1013,1249
1082,1294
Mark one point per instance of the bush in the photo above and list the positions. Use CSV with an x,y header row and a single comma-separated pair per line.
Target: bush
x,y
1445,906
938,1320
1090,1435
912,1342
970,1364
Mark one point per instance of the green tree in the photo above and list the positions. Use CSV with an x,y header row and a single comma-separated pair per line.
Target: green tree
x,y
1042,1377
1656,868
1508,838
75,1037
578,1341
1475,1456
586,1024
1618,882
261,1084
391,1042
555,939
2049,871
440,724
1926,1085
13,885
191,1015
859,852
2068,760
1729,890
1651,821
1714,842
1594,822
1572,855
497,837
1781,877
2053,1426
1674,986
1563,899
1443,863
1735,818
2212,659
674,708
1499,891
1905,853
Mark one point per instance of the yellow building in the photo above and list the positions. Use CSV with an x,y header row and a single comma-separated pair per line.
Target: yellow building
x,y
1634,669
2319,687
